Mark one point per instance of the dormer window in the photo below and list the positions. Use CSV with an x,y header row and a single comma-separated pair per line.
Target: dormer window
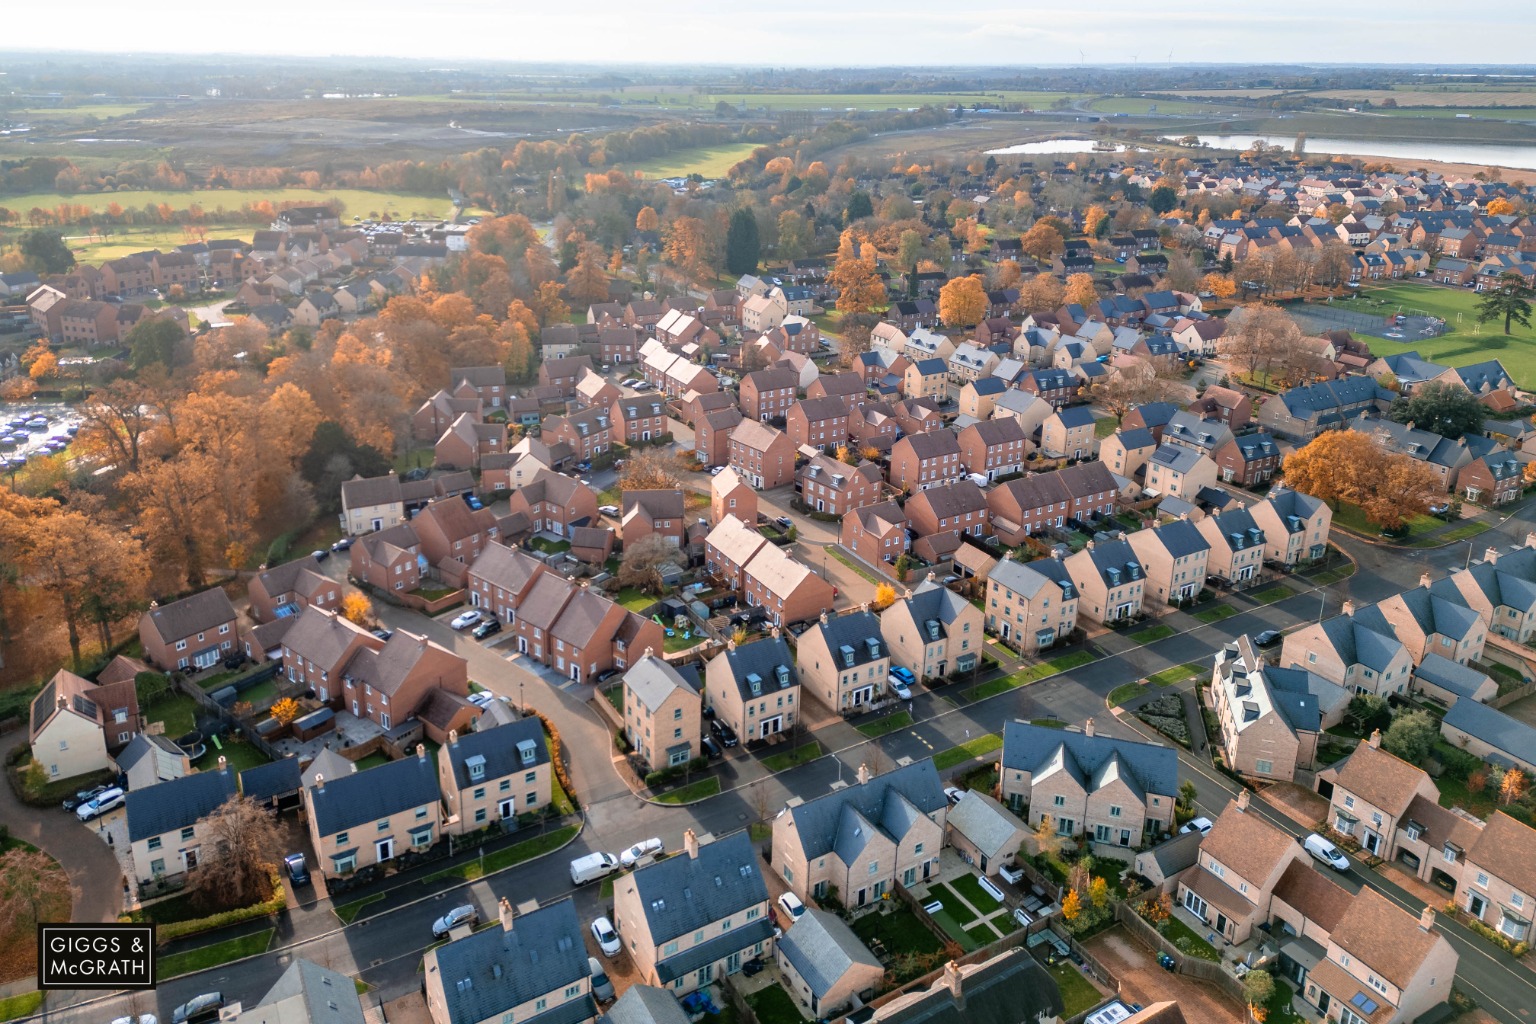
x,y
755,683
476,766
527,751
782,672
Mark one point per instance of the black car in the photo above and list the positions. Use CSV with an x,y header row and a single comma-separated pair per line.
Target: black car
x,y
708,713
1268,638
383,634
724,733
83,796
199,1008
603,677
710,747
235,660
487,628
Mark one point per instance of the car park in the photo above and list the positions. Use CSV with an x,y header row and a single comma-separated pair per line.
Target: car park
x,y
464,620
724,733
298,870
607,938
198,1008
487,628
103,802
455,917
1201,825
1268,638
641,850
792,907
1321,849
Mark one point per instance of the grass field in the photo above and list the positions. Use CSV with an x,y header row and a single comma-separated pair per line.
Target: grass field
x,y
1467,342
1141,105
710,161
85,110
867,101
355,202
127,241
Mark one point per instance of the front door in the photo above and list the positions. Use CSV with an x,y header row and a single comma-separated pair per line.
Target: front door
x,y
384,850
771,725
507,808
1476,905
1221,924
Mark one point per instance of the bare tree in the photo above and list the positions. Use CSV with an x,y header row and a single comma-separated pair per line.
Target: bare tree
x,y
652,469
644,560
1131,386
33,888
243,846
1259,337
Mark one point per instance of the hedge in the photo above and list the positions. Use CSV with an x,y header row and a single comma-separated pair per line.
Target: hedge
x,y
663,776
180,929
555,759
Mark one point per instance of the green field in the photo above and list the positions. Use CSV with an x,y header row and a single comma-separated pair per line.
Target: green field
x,y
83,111
866,101
1467,341
709,161
1141,105
355,202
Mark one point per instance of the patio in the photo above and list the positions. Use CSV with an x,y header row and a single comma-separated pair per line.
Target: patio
x,y
350,731
967,913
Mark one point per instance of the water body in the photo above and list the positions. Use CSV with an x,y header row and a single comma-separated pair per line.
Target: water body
x,y
1053,146
1523,157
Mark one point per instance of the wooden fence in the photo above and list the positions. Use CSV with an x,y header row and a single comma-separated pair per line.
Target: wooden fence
x,y
1190,966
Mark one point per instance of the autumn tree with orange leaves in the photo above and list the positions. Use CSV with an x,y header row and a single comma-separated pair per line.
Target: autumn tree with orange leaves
x,y
963,302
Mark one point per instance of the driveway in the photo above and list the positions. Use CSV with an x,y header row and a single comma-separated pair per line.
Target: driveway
x,y
95,879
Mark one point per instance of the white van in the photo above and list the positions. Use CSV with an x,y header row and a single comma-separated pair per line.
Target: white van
x,y
592,867
1326,852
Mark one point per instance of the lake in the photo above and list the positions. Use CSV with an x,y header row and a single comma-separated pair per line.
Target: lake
x,y
1052,146
1523,157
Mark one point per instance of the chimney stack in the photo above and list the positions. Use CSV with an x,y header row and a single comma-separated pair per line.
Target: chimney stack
x,y
823,617
650,652
1491,556
952,982
223,764
1243,797
504,909
1088,727
863,774
453,737
1347,608
421,751
691,844
1375,739
319,784
1424,579
1427,919
1530,542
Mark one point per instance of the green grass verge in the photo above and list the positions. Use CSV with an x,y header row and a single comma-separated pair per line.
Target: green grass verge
x,y
973,748
1177,674
1122,693
1215,613
693,791
889,723
773,1005
1032,674
900,930
201,959
1334,575
1351,517
1278,592
1152,634
792,758
512,855
348,911
855,566
1078,994
23,1004
1466,531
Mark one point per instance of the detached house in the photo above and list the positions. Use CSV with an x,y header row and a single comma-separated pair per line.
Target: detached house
x,y
820,423
1359,657
390,559
290,588
768,394
194,633
1295,526
372,817
1242,860
1369,793
589,432
761,455
696,916
1269,717
652,513
77,725
1429,620
1236,554
493,775
637,420
1031,605
371,504
554,503
877,533
957,508
933,631
166,822
1382,966
836,488
1068,433
865,839
753,687
843,661
662,712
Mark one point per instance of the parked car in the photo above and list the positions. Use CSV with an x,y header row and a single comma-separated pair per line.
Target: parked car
x,y
143,1018
320,554
584,467
464,620
592,866
1268,638
83,796
487,628
607,938
724,733
473,502
198,1008
342,544
298,870
710,748
608,510
602,988
716,470
105,801
644,848
898,686
1201,825
792,907
785,521
1323,850
953,794
482,698
455,917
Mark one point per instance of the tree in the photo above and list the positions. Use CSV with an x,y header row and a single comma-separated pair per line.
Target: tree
x,y
643,561
795,235
1513,786
1095,222
239,853
1162,199
856,277
1040,294
1509,298
1347,465
1367,711
356,608
43,364
963,302
1080,290
1449,410
646,219
45,252
885,596
1400,488
1047,839
1500,207
1220,285
1129,387
859,207
1071,905
742,248
151,687
286,710
1156,909
76,560
1258,990
652,469
588,280
1098,893
155,341
1187,794
33,889
1042,242
1411,736
1259,336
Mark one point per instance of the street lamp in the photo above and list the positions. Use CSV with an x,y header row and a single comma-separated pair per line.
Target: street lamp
x,y
522,705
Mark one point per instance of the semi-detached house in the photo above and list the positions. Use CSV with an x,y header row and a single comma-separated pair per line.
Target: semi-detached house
x,y
372,817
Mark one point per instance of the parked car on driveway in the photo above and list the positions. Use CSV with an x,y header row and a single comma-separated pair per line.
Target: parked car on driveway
x,y
342,544
898,685
1321,849
455,917
487,628
298,870
464,620
1268,638
198,1008
320,554
104,802
954,794
1201,825
607,938
724,733
83,796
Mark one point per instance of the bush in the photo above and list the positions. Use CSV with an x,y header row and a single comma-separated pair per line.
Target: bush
x,y
621,741
663,776
556,760
179,929
1457,764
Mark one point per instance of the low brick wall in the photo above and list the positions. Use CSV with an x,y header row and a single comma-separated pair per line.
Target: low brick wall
x,y
442,604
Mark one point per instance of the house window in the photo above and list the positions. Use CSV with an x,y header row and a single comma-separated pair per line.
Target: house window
x,y
1349,801
1059,800
480,816
874,867
530,799
1114,812
341,839
154,843
1264,767
506,785
669,949
181,645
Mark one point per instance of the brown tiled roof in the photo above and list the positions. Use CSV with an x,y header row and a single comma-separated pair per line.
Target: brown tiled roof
x,y
120,669
506,567
658,504
1380,778
1219,895
956,499
1313,893
932,444
1441,824
195,614
756,436
1158,1013
441,707
581,618
1247,844
771,379
1342,986
1507,849
544,602
1384,937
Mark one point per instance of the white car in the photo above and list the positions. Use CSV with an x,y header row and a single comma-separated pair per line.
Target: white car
x,y
645,848
1201,825
464,620
715,470
1321,849
608,510
607,938
792,907
953,794
899,687
107,801
482,699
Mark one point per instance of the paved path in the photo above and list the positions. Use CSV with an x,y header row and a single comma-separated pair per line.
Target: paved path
x,y
95,880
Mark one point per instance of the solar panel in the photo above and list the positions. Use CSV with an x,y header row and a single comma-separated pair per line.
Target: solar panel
x,y
85,706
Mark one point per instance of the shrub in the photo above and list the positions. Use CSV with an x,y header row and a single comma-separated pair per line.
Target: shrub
x,y
556,760
274,904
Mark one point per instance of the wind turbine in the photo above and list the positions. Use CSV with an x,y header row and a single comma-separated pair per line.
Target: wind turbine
x,y
1080,58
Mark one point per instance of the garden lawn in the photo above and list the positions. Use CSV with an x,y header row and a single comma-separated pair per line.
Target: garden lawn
x,y
1077,992
54,793
772,1005
982,934
1279,1009
177,710
238,756
954,906
693,791
679,642
635,600
615,696
1152,634
791,758
204,957
1104,426
1215,613
967,886
1188,941
1269,595
1177,674
900,930
373,760
549,547
888,723
973,748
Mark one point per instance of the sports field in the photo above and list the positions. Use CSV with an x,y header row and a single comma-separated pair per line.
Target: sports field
x,y
355,202
710,161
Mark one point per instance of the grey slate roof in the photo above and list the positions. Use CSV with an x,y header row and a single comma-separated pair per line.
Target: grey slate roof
x,y
491,971
1181,538
501,748
761,658
1433,613
176,803
651,681
1116,562
1155,769
1176,458
1028,578
1136,437
363,797
1009,989
1459,679
275,778
721,946
989,826
196,613
823,949
1500,731
825,825
1178,853
647,1004
855,633
1360,644
306,991
684,893
1075,416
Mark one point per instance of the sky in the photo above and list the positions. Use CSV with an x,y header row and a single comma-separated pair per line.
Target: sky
x,y
806,33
